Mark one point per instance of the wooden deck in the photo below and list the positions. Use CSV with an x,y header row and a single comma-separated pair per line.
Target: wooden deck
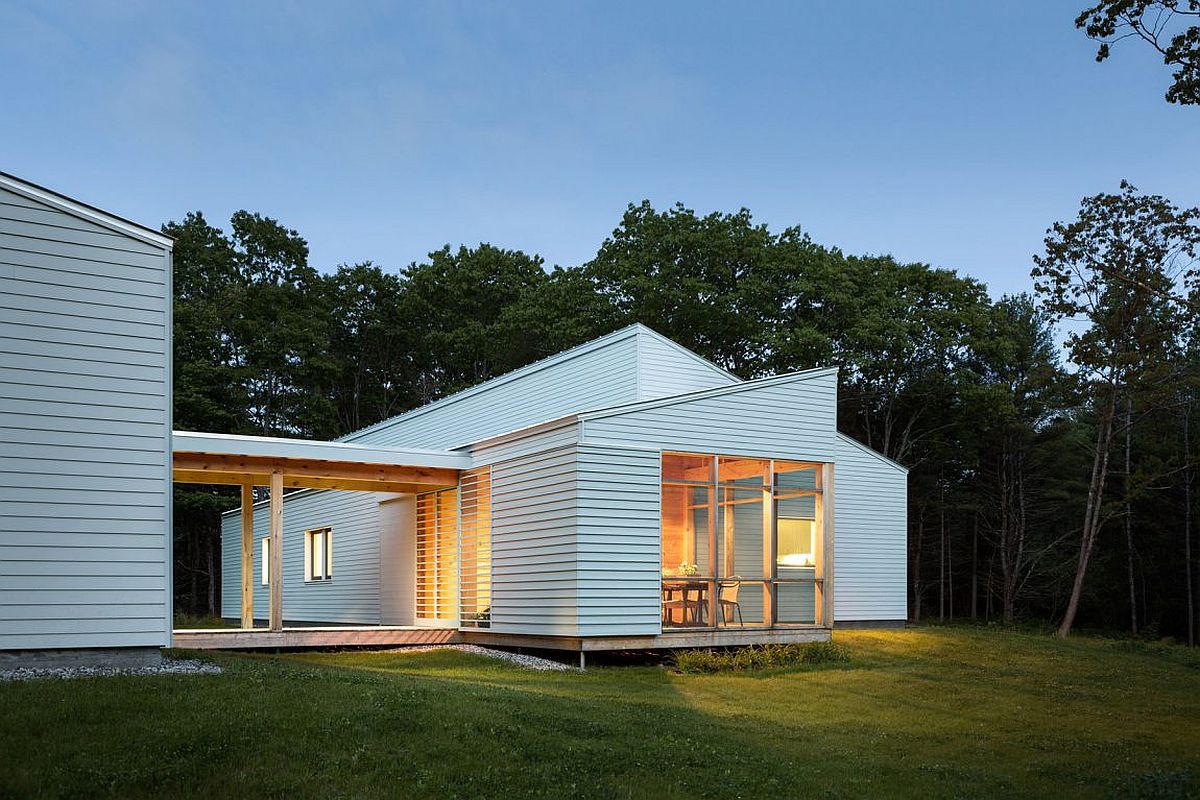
x,y
314,637
669,640
400,636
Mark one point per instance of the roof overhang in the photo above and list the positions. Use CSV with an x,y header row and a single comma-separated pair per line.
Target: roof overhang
x,y
206,458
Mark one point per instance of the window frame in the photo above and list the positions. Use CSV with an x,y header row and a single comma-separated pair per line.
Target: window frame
x,y
322,537
772,492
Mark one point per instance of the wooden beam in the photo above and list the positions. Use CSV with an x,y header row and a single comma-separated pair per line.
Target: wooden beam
x,y
827,506
247,556
302,470
302,482
275,576
201,476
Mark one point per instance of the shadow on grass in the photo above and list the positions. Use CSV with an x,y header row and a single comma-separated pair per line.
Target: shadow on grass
x,y
910,716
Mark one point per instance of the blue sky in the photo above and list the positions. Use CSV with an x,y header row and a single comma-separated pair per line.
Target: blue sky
x,y
947,132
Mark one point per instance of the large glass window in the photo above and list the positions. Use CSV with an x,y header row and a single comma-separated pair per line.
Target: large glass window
x,y
741,541
798,539
688,534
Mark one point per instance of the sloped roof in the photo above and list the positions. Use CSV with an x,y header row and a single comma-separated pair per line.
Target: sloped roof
x,y
82,210
628,332
700,394
626,408
871,451
276,447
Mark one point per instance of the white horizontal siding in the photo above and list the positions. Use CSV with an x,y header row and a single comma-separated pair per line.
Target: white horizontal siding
x,y
534,569
870,536
525,443
618,541
666,368
84,432
605,375
785,418
351,596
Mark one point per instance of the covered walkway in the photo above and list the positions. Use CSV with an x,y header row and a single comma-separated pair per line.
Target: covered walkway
x,y
249,461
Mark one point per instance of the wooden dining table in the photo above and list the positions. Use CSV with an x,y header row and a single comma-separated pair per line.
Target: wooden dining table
x,y
689,594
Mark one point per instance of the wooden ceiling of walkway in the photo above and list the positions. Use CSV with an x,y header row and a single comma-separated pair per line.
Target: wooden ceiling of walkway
x,y
308,473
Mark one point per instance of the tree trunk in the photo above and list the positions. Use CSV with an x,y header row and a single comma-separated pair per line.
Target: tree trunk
x,y
975,570
212,578
942,557
1187,525
1133,615
1091,518
916,568
950,574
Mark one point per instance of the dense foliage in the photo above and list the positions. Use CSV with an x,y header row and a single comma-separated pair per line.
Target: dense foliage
x,y
971,394
1169,27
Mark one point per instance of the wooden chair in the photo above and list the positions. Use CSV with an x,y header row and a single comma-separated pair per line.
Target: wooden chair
x,y
675,598
727,599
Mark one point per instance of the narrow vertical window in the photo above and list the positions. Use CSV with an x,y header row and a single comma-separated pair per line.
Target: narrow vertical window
x,y
318,554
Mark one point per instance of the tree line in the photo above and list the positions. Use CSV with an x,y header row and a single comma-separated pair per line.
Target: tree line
x,y
1051,435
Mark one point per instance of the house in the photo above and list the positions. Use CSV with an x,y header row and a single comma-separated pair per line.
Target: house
x,y
85,428
624,493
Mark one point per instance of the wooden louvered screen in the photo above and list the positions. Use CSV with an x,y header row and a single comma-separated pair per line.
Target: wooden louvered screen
x,y
475,492
437,562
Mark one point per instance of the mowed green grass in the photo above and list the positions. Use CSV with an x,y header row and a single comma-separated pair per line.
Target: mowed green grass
x,y
928,712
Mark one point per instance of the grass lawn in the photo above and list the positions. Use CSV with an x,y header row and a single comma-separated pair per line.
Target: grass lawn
x,y
929,712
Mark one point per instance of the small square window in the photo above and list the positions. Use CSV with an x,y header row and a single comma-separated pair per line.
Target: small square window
x,y
318,554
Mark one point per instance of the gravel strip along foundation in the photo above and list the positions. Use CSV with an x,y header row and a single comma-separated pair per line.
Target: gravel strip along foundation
x,y
520,659
169,666
193,667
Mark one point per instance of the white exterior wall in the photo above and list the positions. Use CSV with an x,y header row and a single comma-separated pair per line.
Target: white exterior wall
x,y
85,427
597,376
626,366
351,596
791,417
534,520
870,536
619,541
666,368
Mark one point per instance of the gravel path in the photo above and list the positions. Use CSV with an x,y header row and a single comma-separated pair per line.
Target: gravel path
x,y
520,659
167,667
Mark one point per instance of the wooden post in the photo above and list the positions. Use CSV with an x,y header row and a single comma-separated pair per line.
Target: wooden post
x,y
275,573
827,512
715,571
247,556
769,545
